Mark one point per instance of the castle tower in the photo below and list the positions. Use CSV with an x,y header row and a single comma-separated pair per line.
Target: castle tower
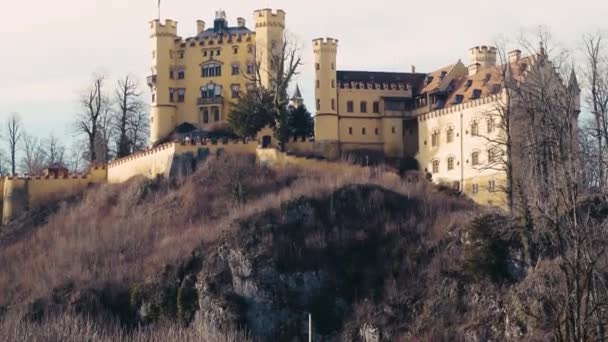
x,y
326,93
163,112
269,38
482,57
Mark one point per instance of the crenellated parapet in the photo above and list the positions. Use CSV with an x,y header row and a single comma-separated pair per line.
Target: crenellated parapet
x,y
215,40
166,29
327,45
267,18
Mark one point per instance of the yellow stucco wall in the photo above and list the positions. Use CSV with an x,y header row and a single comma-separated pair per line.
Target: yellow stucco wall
x,y
170,52
148,163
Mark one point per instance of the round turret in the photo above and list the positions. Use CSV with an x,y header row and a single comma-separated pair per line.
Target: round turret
x,y
163,111
326,92
269,31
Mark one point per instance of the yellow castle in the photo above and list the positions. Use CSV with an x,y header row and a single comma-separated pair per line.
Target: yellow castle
x,y
444,120
194,80
441,120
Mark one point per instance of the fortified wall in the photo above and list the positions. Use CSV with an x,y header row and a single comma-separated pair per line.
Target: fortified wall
x,y
22,193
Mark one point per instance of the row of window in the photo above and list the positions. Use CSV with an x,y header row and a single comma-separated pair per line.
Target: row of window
x,y
491,187
364,130
350,107
435,136
206,52
318,66
333,84
494,156
177,94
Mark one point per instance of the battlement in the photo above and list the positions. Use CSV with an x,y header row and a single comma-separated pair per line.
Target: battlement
x,y
325,45
484,55
141,154
169,28
266,17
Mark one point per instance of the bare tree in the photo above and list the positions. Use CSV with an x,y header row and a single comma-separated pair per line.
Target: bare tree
x,y
139,131
54,151
14,135
284,64
33,160
92,119
127,117
596,77
76,161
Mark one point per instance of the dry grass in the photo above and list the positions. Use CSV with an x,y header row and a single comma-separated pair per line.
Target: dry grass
x,y
125,234
67,328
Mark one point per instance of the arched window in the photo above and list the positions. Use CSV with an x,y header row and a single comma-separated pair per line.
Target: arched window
x,y
490,124
216,114
435,138
211,70
450,163
435,166
205,115
474,128
450,135
475,158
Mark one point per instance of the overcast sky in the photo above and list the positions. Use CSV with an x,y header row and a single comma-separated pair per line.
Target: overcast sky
x,y
49,49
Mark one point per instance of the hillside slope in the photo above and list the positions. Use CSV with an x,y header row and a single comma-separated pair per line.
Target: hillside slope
x,y
236,244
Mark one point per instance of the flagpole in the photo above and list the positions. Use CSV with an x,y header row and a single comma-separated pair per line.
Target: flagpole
x,y
158,10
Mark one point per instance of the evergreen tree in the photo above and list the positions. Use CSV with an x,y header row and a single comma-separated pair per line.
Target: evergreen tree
x,y
300,122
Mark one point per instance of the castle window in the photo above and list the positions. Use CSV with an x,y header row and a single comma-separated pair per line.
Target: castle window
x,y
475,158
181,74
333,84
494,155
490,124
181,55
171,74
181,95
318,104
363,107
450,135
350,130
250,86
333,66
236,69
236,91
171,96
435,139
458,99
249,69
350,106
450,163
211,70
474,129
216,114
218,52
205,116
211,53
377,131
435,166
318,84
476,94
250,49
376,107
153,97
363,131
394,130
205,53
333,104
492,186
318,66
475,188
468,84
236,50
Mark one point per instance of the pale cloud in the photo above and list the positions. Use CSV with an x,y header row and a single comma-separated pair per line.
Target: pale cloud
x,y
49,49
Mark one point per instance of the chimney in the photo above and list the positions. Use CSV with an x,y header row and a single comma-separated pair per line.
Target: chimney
x,y
413,69
514,56
200,26
474,68
240,22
